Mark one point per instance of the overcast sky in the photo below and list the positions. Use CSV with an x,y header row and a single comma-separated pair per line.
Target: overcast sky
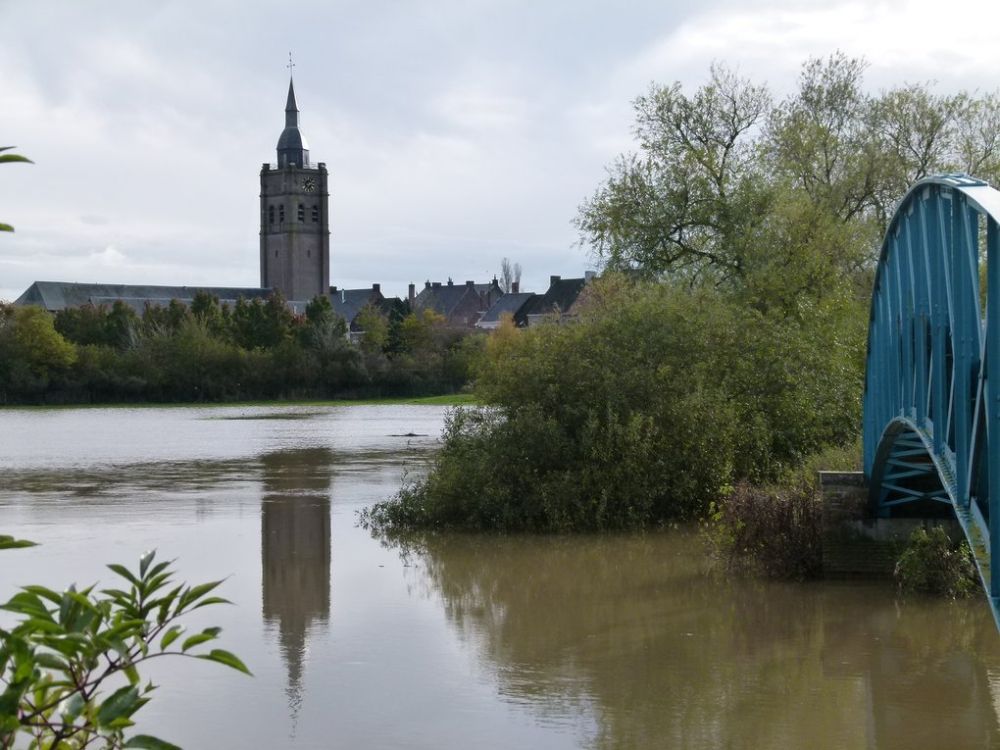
x,y
456,132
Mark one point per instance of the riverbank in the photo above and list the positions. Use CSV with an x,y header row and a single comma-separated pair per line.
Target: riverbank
x,y
454,399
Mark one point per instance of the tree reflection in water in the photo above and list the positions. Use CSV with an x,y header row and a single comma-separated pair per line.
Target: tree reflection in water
x,y
632,629
295,552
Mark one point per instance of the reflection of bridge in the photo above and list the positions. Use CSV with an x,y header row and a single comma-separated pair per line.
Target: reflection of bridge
x,y
932,391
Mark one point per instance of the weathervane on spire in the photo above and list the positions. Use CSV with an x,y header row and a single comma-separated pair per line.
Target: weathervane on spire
x,y
290,64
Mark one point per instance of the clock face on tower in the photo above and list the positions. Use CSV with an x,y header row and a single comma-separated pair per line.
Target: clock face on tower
x,y
308,184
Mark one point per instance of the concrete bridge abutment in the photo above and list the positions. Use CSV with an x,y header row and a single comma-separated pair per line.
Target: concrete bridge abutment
x,y
855,543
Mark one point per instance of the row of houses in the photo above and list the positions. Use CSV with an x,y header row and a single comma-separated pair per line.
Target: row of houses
x,y
468,305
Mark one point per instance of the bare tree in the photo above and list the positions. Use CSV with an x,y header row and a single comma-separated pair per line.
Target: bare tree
x,y
510,274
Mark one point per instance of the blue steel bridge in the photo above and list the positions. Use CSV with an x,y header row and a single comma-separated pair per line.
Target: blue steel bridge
x,y
932,390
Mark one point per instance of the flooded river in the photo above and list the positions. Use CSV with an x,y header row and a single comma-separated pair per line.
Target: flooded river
x,y
461,641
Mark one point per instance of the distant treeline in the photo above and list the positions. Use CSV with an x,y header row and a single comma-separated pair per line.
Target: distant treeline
x,y
256,349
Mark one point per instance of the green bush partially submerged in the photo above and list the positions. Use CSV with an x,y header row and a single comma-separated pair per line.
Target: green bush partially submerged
x,y
932,564
638,413
774,532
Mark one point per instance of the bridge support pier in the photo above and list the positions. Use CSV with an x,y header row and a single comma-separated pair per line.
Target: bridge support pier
x,y
857,544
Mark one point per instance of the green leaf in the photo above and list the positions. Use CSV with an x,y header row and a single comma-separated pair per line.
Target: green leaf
x,y
165,603
210,600
14,157
225,657
71,706
9,542
124,573
51,661
145,560
44,593
6,227
27,603
146,742
121,703
194,593
170,636
132,674
207,634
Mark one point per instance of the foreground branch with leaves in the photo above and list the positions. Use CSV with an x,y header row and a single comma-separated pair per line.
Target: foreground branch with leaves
x,y
8,159
59,663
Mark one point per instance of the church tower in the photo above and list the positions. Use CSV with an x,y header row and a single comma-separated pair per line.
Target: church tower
x,y
294,218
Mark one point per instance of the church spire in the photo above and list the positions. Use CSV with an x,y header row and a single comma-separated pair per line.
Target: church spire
x,y
292,147
291,108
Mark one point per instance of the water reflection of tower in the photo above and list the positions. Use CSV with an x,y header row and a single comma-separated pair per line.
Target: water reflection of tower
x,y
295,552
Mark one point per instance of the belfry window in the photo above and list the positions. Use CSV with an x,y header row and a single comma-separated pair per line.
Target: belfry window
x,y
281,214
270,214
315,214
302,213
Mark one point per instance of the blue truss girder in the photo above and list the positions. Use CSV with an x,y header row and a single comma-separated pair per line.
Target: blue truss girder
x,y
931,425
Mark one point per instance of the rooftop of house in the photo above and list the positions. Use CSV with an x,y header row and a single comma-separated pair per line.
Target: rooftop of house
x,y
510,304
347,303
560,297
58,295
444,298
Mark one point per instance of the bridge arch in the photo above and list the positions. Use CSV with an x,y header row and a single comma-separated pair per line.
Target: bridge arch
x,y
931,425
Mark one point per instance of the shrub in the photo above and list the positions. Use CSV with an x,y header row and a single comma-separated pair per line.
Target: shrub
x,y
773,532
932,564
637,413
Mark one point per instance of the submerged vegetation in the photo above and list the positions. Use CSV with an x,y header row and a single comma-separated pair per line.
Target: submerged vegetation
x,y
932,564
769,531
637,414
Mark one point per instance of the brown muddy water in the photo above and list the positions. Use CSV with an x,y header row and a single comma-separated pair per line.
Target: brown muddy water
x,y
462,641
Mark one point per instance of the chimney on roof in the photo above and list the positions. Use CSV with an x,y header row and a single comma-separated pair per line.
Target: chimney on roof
x,y
589,276
436,285
427,285
377,288
554,280
515,287
470,284
411,294
333,290
450,282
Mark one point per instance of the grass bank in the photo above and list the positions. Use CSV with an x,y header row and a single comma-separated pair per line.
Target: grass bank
x,y
455,399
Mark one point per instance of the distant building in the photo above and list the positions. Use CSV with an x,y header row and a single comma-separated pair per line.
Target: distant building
x,y
462,305
512,304
58,295
295,261
559,300
527,309
294,216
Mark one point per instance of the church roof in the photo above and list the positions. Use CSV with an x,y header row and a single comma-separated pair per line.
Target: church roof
x,y
58,295
292,147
